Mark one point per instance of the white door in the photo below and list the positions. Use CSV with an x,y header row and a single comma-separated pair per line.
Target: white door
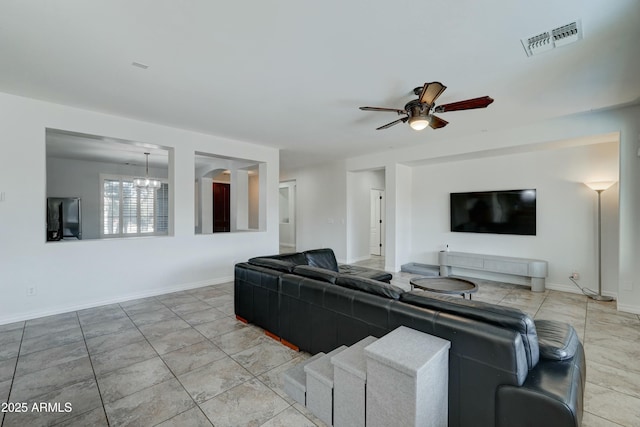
x,y
376,239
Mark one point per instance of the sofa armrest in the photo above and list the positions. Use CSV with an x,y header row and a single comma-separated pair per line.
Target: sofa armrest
x,y
551,396
556,340
256,295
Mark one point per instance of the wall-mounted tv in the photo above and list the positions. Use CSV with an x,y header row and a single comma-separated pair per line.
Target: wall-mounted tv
x,y
498,212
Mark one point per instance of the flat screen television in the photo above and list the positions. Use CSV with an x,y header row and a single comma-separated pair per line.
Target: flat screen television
x,y
497,212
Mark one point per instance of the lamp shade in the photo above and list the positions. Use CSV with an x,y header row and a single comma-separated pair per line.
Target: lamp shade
x,y
419,122
599,185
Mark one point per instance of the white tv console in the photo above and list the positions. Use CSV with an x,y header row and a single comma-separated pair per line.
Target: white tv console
x,y
535,269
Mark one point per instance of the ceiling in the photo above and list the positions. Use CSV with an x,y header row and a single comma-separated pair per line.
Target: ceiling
x,y
77,146
291,74
94,148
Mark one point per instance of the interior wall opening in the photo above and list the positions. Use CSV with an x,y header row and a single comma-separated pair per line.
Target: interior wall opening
x,y
367,215
102,187
228,194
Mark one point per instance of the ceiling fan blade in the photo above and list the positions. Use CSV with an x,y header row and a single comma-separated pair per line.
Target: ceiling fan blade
x,y
469,104
431,92
437,123
383,109
395,122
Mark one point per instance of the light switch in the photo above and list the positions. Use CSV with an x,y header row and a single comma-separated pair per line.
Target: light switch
x,y
1,196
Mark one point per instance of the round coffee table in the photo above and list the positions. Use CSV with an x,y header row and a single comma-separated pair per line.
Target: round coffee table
x,y
445,285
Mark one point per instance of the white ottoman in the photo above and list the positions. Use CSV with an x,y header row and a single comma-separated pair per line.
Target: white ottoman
x,y
407,380
295,380
349,380
320,386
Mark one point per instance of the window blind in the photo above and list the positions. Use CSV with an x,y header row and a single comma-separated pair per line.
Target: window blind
x,y
129,210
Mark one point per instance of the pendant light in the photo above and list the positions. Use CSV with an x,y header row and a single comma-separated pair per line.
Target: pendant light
x,y
147,182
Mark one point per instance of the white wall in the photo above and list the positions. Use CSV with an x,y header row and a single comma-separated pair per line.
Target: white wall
x,y
399,221
566,210
72,275
239,200
321,207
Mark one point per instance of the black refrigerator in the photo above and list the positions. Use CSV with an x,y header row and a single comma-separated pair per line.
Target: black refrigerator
x,y
64,218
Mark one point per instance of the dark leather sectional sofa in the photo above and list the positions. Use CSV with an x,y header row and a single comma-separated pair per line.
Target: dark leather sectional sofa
x,y
504,368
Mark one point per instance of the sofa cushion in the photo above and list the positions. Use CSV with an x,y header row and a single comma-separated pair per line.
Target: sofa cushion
x,y
316,273
276,264
506,317
557,340
368,273
323,258
370,286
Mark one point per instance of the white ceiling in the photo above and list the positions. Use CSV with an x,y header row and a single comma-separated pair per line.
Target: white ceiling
x,y
71,145
291,74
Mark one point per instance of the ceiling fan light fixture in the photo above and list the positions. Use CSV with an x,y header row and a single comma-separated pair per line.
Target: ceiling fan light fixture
x,y
418,112
419,122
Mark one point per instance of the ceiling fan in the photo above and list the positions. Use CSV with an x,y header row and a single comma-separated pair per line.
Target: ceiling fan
x,y
419,112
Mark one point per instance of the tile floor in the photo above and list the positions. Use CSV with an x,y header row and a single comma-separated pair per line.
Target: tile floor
x,y
182,359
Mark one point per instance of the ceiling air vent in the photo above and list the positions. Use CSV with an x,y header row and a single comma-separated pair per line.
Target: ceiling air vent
x,y
551,39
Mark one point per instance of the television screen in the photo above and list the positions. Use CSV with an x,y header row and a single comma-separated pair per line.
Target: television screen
x,y
498,212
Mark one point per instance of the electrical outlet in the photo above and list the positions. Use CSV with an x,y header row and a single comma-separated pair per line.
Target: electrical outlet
x,y
31,291
575,276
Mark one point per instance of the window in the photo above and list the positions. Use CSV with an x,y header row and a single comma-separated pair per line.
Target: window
x,y
128,210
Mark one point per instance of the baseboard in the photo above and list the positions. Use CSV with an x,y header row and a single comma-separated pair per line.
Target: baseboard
x,y
575,290
83,306
633,309
391,269
562,288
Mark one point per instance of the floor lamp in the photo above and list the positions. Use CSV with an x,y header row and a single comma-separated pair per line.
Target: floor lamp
x,y
599,187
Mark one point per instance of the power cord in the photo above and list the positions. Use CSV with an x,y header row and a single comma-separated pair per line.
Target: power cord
x,y
588,292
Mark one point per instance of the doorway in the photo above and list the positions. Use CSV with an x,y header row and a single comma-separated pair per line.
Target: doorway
x,y
287,208
377,223
221,207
